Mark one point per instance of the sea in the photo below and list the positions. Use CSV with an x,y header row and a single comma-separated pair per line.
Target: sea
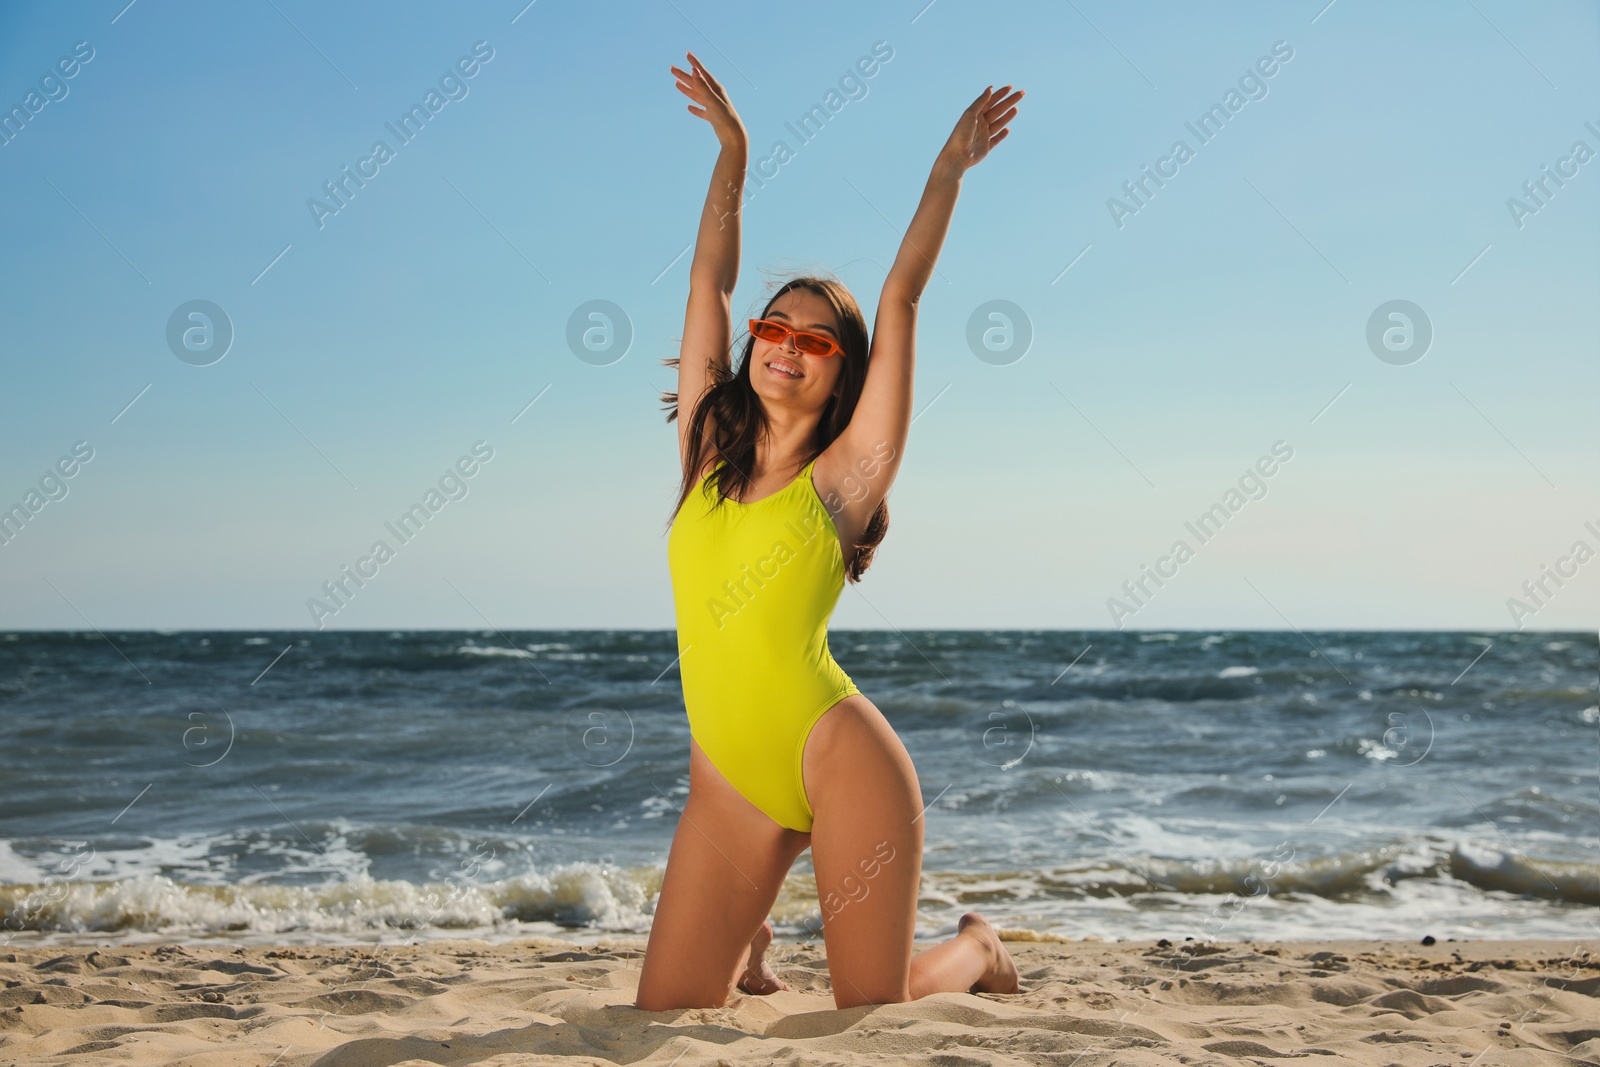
x,y
342,787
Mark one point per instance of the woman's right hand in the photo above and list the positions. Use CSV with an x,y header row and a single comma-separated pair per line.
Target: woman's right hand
x,y
698,85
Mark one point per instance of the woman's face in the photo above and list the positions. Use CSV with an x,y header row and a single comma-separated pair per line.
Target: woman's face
x,y
773,366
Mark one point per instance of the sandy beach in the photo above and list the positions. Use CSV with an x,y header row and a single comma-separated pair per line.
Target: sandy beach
x,y
545,1002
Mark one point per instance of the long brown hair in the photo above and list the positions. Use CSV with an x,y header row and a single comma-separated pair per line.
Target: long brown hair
x,y
741,420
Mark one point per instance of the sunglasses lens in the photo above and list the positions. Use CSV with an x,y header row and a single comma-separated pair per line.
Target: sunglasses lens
x,y
810,343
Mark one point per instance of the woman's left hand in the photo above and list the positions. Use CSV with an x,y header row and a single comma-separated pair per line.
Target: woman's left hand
x,y
981,127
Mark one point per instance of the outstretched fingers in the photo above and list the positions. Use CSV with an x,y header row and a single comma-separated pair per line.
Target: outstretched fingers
x,y
997,113
703,79
994,108
698,85
700,68
688,83
695,88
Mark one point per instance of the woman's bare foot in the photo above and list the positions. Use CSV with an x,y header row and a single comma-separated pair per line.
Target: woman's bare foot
x,y
759,977
1001,977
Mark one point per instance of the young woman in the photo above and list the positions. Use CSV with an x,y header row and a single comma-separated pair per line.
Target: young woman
x,y
786,463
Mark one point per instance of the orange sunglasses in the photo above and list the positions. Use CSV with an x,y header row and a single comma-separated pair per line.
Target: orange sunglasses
x,y
812,344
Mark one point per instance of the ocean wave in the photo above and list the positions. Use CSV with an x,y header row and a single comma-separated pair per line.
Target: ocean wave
x,y
1339,877
1509,872
622,899
576,895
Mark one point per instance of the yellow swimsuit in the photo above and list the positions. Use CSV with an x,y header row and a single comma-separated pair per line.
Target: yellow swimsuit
x,y
753,586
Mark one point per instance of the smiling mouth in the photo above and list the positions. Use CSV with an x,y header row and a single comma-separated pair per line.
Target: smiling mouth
x,y
785,369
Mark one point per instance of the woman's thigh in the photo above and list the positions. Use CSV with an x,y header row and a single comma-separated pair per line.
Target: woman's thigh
x,y
866,847
726,866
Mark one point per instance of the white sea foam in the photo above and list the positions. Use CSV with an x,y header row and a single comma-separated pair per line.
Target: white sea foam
x,y
1431,885
15,868
493,650
585,895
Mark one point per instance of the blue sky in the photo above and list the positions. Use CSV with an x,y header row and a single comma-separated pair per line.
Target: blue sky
x,y
1229,313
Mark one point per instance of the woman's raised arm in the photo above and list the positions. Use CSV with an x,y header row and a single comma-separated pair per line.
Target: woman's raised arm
x,y
882,417
708,324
